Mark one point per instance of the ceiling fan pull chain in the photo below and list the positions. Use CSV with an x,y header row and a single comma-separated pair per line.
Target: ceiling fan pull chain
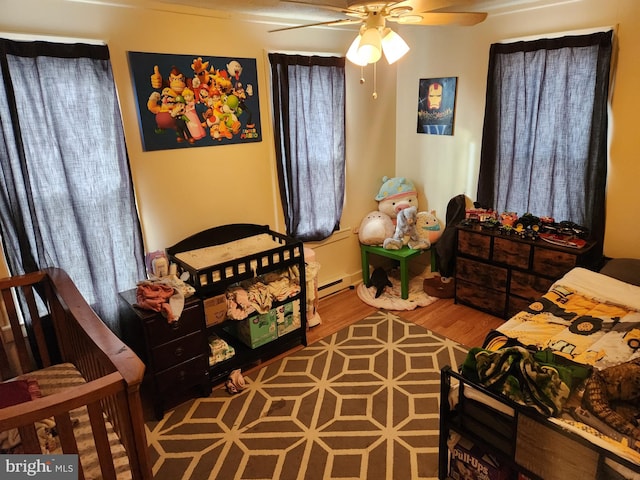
x,y
375,82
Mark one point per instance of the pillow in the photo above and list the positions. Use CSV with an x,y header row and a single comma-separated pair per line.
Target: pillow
x,y
18,391
623,269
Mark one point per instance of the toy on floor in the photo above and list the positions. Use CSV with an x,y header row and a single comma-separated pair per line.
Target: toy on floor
x,y
380,280
235,383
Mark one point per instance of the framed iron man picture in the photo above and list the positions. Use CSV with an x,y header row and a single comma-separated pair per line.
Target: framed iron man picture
x,y
437,105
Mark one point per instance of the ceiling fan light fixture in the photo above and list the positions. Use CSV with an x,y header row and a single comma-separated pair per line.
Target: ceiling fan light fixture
x,y
393,46
352,53
370,47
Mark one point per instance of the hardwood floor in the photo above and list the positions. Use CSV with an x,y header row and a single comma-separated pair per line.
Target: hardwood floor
x,y
463,324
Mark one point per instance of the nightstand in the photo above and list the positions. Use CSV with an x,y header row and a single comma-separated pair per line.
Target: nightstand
x,y
175,354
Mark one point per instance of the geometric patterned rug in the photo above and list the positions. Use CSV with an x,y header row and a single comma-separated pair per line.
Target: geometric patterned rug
x,y
362,403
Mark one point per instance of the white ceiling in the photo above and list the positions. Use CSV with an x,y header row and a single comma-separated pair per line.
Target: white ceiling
x,y
310,11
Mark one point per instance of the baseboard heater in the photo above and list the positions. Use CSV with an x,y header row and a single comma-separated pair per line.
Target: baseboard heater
x,y
332,287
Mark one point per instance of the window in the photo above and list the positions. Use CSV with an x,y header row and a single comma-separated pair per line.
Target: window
x,y
544,146
309,129
66,197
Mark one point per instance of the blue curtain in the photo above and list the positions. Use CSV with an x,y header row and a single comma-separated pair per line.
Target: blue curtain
x,y
309,129
66,196
544,145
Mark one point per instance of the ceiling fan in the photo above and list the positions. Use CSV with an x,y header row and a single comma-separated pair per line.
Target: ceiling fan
x,y
375,38
407,12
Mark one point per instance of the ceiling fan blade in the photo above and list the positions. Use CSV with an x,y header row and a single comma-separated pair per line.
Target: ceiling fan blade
x,y
323,6
332,23
418,6
465,19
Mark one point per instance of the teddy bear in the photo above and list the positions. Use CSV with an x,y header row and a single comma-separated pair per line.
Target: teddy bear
x,y
406,227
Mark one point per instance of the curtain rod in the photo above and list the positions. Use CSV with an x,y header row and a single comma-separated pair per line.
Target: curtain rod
x,y
584,31
29,37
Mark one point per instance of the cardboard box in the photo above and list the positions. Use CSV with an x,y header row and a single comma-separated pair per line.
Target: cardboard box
x,y
288,317
256,330
470,462
215,309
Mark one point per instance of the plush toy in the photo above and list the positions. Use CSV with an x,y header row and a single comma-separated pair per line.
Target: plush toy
x,y
380,280
375,227
406,227
428,226
613,396
396,194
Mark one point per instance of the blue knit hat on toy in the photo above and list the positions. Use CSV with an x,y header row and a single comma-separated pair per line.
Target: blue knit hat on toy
x,y
395,186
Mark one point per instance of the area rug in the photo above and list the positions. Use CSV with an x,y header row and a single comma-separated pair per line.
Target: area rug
x,y
360,404
391,298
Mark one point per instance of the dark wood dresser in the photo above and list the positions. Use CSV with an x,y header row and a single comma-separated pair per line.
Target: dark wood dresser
x,y
175,354
502,274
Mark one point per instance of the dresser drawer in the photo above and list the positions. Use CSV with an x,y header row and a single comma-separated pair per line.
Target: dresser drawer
x,y
184,375
512,253
474,244
489,276
480,297
177,351
529,286
160,331
552,263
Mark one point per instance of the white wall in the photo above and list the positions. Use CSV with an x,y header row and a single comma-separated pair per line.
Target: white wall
x,y
446,166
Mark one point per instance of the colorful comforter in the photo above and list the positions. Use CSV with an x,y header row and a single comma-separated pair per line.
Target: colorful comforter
x,y
590,319
585,316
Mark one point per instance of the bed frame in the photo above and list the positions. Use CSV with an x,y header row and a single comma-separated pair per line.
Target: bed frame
x,y
518,437
112,373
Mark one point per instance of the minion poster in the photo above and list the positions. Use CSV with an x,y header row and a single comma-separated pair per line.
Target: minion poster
x,y
187,101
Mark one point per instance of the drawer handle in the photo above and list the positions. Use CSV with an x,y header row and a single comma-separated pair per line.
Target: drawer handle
x,y
175,325
182,375
179,351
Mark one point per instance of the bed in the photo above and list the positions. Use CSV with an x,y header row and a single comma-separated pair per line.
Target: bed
x,y
586,326
70,385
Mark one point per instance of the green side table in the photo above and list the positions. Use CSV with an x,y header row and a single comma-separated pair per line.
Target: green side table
x,y
402,256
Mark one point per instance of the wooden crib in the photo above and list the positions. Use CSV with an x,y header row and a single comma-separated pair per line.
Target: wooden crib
x,y
89,379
